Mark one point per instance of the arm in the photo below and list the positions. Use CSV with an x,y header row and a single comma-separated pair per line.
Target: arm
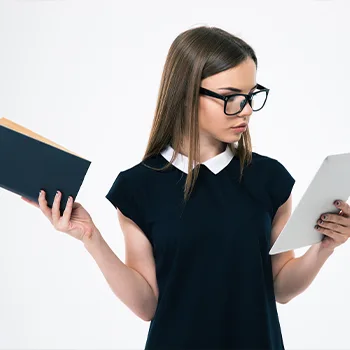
x,y
293,275
134,283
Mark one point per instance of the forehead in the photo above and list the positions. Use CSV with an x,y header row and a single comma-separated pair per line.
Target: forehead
x,y
242,76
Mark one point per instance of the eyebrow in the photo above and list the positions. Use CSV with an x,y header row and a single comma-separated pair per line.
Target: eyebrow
x,y
235,89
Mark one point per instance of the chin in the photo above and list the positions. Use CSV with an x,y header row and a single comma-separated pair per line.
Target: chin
x,y
231,138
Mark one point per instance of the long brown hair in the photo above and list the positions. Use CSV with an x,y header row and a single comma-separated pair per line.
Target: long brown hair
x,y
194,55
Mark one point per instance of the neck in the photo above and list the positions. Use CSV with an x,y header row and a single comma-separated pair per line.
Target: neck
x,y
207,149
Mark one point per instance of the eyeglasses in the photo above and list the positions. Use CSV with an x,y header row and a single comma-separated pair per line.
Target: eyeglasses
x,y
235,103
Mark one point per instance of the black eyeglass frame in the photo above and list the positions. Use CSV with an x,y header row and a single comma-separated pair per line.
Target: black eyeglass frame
x,y
248,97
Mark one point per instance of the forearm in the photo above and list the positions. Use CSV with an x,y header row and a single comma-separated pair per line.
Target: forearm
x,y
127,284
298,273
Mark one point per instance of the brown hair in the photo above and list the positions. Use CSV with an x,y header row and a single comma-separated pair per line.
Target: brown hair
x,y
194,55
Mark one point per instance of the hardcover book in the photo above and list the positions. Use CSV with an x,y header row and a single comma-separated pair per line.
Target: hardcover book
x,y
30,162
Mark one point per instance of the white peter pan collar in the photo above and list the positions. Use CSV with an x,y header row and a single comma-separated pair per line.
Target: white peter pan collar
x,y
215,164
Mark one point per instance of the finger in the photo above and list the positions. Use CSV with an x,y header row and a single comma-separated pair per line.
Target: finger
x,y
334,227
345,208
56,215
336,218
67,212
43,205
337,237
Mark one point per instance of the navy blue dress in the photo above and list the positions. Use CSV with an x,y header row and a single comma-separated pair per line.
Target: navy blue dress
x,y
213,268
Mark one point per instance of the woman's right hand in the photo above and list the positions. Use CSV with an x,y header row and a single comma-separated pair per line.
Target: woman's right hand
x,y
75,221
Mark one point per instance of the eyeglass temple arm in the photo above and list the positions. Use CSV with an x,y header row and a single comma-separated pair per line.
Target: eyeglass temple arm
x,y
260,87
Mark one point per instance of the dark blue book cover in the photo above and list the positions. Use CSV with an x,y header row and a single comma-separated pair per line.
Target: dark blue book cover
x,y
29,162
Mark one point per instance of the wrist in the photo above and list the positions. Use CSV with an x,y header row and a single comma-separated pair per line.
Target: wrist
x,y
94,239
324,251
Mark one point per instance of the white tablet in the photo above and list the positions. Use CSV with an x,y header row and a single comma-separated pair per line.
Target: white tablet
x,y
331,182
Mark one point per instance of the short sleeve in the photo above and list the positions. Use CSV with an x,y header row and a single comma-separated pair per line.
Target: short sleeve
x,y
281,183
121,195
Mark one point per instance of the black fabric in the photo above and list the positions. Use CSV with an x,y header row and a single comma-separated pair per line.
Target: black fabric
x,y
281,181
213,269
121,195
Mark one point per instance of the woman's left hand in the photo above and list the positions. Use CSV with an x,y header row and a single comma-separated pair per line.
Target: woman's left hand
x,y
335,227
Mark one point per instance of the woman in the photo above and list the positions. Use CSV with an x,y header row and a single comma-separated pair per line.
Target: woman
x,y
200,212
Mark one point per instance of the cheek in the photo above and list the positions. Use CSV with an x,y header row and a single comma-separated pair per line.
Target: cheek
x,y
210,115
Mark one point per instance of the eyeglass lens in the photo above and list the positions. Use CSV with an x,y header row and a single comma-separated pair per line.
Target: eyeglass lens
x,y
235,103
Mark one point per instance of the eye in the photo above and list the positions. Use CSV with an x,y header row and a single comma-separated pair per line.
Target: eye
x,y
231,97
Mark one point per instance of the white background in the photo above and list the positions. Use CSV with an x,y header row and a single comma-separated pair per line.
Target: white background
x,y
69,70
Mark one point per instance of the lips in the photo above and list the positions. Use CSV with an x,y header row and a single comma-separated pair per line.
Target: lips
x,y
243,125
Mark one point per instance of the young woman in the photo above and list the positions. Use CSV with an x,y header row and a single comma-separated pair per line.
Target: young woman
x,y
201,210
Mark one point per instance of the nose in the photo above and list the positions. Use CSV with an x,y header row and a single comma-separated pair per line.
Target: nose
x,y
246,111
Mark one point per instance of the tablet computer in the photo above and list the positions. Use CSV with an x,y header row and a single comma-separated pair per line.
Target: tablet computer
x,y
331,182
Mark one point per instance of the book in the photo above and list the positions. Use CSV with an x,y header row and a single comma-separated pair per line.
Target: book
x,y
29,162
